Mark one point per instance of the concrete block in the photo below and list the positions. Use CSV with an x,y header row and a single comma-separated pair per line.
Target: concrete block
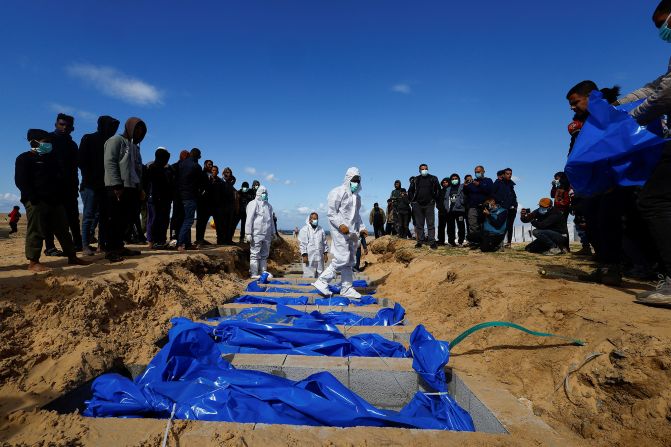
x,y
268,363
298,367
387,383
483,419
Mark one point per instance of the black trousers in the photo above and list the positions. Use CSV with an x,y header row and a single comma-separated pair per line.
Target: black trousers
x,y
510,224
604,226
654,201
442,226
491,242
378,229
203,214
71,206
243,222
118,214
13,226
177,218
424,214
403,220
456,219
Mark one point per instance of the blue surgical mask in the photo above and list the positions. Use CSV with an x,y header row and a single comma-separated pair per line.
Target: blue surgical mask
x,y
353,186
245,189
264,197
479,175
424,172
542,210
665,31
43,148
315,222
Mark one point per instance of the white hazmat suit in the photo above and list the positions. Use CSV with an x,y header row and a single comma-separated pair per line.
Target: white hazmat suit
x,y
259,231
343,209
312,241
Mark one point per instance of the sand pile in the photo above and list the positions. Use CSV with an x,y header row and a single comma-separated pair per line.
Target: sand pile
x,y
621,397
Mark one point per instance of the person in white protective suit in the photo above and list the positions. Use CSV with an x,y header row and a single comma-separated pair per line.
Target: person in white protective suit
x,y
346,227
259,232
313,246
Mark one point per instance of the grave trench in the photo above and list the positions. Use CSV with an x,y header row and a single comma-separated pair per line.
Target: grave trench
x,y
387,383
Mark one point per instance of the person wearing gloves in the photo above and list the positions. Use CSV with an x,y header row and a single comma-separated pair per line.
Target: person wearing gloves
x,y
313,246
259,232
346,227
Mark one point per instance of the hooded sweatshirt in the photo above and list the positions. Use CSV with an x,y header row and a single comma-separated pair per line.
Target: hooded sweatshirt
x,y
123,162
312,241
66,154
92,153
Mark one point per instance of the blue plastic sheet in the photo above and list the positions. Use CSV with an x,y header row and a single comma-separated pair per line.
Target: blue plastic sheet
x,y
190,373
254,286
612,149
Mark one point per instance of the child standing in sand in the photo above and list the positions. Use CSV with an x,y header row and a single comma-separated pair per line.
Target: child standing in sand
x,y
14,217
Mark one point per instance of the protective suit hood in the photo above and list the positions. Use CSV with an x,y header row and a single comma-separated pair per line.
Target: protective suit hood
x,y
308,221
351,173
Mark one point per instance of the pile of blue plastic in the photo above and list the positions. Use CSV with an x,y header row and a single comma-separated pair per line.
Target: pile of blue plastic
x,y
275,286
190,373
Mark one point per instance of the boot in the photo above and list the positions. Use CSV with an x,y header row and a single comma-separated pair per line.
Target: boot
x,y
254,269
348,291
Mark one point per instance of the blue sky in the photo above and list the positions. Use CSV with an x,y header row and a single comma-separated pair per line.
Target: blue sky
x,y
294,92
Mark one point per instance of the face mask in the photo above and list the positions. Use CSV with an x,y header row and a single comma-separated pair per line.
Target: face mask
x,y
555,182
256,187
542,210
424,172
264,197
354,187
455,182
245,189
44,148
315,222
479,175
665,31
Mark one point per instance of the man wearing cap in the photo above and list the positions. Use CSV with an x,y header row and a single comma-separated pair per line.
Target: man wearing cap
x,y
550,229
39,179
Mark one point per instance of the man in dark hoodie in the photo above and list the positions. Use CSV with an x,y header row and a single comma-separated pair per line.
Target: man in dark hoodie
x,y
505,195
158,185
92,167
123,180
244,197
423,193
205,204
442,212
476,192
456,210
38,177
65,154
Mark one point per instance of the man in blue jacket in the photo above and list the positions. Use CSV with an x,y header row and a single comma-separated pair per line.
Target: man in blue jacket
x,y
504,193
477,192
494,225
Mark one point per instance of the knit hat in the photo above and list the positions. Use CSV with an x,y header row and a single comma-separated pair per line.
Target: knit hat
x,y
37,135
545,202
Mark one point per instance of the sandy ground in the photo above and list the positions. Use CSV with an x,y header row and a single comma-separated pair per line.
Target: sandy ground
x,y
65,327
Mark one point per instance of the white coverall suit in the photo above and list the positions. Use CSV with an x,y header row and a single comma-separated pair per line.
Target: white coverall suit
x,y
343,209
260,229
312,241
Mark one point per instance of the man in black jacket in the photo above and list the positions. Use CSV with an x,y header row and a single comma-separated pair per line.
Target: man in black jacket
x,y
158,183
244,197
92,167
66,157
205,204
423,193
505,195
442,211
550,229
189,187
38,177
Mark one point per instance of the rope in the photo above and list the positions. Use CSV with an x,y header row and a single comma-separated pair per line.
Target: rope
x,y
480,326
167,427
389,366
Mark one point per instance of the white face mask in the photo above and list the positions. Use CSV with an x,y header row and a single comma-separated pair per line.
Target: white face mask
x,y
315,222
424,172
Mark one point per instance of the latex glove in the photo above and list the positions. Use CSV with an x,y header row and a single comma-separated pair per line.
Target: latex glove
x,y
305,259
248,238
343,229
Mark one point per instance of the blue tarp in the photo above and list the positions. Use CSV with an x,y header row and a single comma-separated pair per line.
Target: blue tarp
x,y
190,373
254,286
290,300
612,149
384,317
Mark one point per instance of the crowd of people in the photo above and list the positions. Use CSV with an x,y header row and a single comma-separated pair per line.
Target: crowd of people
x,y
626,227
125,200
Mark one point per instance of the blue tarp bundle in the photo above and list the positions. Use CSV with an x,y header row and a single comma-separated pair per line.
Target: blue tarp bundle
x,y
612,149
190,373
283,314
303,300
254,286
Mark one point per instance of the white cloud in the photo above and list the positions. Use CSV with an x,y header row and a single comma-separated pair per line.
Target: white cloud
x,y
288,182
112,82
303,209
249,170
7,201
515,178
271,178
9,196
401,88
77,113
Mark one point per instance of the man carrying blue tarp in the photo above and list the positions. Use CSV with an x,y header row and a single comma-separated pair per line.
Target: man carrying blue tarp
x,y
655,198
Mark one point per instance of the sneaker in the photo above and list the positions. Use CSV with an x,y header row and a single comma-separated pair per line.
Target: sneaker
x,y
53,252
322,287
348,292
554,251
88,251
433,246
661,296
255,277
418,245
